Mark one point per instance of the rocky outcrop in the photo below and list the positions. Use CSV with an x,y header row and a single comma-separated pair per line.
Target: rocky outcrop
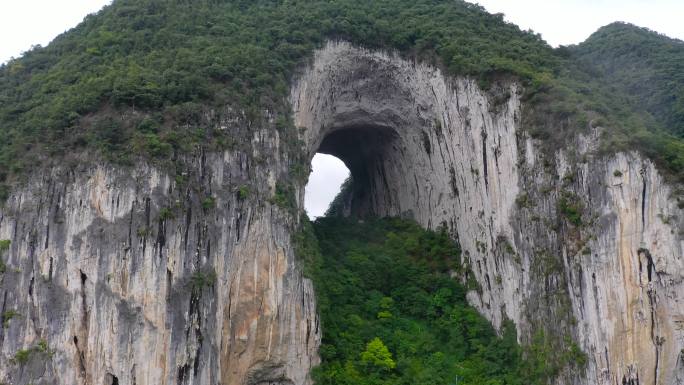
x,y
139,276
574,244
123,276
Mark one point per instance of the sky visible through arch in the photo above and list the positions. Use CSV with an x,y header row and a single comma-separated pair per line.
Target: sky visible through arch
x,y
24,23
327,175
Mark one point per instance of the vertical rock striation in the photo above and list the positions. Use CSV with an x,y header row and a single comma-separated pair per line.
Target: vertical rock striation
x,y
132,277
574,244
136,276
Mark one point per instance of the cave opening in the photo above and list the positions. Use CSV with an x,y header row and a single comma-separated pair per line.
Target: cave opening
x,y
355,165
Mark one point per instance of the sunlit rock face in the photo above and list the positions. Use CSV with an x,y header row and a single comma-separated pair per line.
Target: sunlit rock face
x,y
445,153
137,276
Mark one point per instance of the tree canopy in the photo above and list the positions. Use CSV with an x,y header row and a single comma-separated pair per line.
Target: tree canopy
x,y
392,312
149,78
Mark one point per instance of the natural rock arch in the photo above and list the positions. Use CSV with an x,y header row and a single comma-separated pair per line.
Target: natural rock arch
x,y
114,281
392,122
444,152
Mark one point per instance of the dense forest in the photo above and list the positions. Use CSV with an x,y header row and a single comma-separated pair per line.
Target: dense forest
x,y
393,313
137,78
646,66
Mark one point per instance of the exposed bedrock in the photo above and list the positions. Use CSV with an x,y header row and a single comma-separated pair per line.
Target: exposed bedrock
x,y
135,276
582,246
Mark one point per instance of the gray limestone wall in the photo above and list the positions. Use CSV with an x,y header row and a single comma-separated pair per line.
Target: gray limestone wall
x,y
582,246
135,275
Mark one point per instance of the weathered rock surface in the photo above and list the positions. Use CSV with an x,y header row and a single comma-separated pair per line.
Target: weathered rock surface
x,y
134,276
444,152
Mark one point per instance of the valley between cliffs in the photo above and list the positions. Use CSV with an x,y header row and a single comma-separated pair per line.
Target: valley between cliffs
x,y
134,276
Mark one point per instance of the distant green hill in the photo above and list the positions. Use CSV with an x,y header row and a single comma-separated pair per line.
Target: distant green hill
x,y
642,64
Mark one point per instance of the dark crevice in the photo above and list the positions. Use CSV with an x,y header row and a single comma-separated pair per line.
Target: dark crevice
x,y
208,248
161,237
2,311
169,281
650,266
643,202
47,236
484,159
183,373
188,221
81,357
657,363
111,379
426,142
147,223
237,227
453,182
130,227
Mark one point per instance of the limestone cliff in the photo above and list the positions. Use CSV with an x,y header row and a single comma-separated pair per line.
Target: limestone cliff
x,y
444,152
135,276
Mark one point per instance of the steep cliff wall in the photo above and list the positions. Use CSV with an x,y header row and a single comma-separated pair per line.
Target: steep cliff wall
x,y
135,276
121,276
559,242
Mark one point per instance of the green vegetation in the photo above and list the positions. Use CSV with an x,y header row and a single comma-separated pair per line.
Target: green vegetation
x,y
284,196
644,66
22,356
201,279
243,192
571,207
4,245
42,346
523,200
208,203
143,232
636,80
155,64
337,205
142,77
165,214
377,354
7,316
392,314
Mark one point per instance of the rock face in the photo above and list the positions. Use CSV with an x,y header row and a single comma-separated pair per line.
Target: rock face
x,y
570,243
135,276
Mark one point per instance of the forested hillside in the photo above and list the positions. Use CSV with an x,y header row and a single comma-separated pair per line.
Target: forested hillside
x,y
140,78
642,64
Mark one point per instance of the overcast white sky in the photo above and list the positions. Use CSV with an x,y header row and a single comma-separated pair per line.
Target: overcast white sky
x,y
24,23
